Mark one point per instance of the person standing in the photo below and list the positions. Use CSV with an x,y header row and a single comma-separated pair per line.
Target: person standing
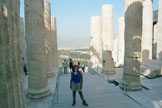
x,y
71,65
76,84
83,67
25,69
65,66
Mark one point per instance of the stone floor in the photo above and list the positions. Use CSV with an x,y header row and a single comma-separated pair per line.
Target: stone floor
x,y
99,93
42,102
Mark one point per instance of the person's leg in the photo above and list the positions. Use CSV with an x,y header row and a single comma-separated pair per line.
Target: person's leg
x,y
82,97
74,98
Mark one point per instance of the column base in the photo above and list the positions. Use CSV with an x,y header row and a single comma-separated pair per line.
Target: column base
x,y
108,71
50,74
35,94
130,86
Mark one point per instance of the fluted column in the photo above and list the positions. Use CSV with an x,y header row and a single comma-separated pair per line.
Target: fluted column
x,y
96,41
54,41
35,33
22,38
147,30
107,39
48,39
159,35
120,55
133,35
12,93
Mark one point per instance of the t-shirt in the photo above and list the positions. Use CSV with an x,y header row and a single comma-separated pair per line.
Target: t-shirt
x,y
64,64
83,65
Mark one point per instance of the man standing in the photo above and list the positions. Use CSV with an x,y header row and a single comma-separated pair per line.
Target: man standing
x,y
65,66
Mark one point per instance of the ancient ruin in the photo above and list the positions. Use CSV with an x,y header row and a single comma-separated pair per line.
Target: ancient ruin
x,y
120,53
35,41
12,94
133,35
96,41
147,30
107,39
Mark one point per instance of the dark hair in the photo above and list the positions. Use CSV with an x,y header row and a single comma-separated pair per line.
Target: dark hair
x,y
75,67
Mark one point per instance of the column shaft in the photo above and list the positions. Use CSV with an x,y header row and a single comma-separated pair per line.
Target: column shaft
x,y
12,93
120,55
159,35
35,41
96,41
107,39
54,41
48,40
133,35
147,30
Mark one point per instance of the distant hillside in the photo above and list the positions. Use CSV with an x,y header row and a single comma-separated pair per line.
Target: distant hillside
x,y
78,55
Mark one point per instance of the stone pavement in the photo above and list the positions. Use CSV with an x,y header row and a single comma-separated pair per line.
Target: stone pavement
x,y
97,91
149,97
45,102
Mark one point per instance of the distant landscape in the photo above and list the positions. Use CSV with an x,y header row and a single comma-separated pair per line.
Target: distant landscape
x,y
77,55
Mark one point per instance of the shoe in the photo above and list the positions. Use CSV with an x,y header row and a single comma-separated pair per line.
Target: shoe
x,y
73,104
85,103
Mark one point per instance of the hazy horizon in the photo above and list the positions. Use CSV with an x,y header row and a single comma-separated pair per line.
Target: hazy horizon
x,y
73,19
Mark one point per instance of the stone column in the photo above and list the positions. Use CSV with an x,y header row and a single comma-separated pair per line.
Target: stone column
x,y
54,41
147,30
12,93
159,36
107,38
48,39
96,41
133,35
35,41
120,55
155,41
22,38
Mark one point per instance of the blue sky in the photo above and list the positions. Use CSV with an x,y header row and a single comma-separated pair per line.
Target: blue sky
x,y
73,19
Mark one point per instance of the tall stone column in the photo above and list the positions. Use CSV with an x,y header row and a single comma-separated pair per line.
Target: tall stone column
x,y
54,41
155,41
96,41
48,40
35,41
120,55
159,35
107,39
12,93
22,38
133,35
147,30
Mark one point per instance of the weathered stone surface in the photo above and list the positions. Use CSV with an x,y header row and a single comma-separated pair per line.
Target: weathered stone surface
x,y
22,38
48,39
96,41
11,74
159,35
35,40
133,35
107,27
151,68
115,49
120,52
147,30
108,63
107,38
155,41
54,44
